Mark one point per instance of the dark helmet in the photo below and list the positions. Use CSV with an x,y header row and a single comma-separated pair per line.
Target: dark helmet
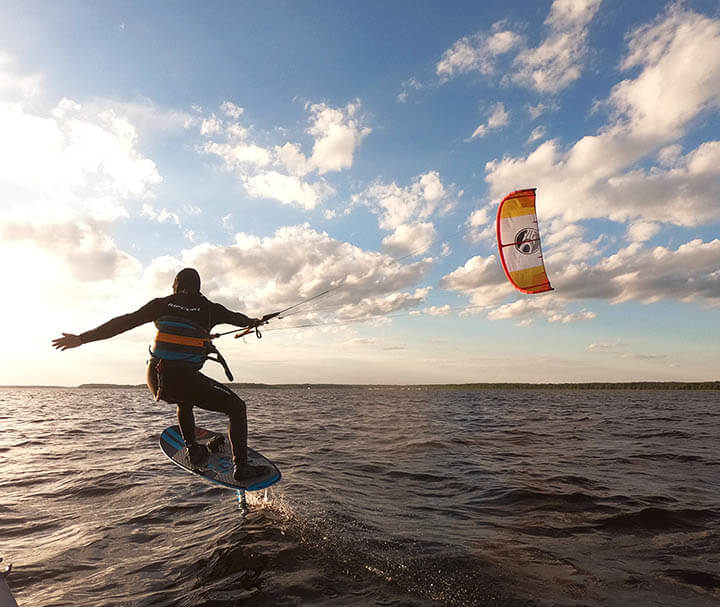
x,y
187,280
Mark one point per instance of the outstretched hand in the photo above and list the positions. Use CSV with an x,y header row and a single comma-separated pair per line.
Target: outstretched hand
x,y
67,341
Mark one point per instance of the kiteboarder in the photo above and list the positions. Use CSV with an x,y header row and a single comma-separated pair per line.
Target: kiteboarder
x,y
184,320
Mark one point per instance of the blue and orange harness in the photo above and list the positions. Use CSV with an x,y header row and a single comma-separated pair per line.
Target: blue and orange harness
x,y
185,344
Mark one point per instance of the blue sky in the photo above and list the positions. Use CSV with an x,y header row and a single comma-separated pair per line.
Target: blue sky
x,y
290,147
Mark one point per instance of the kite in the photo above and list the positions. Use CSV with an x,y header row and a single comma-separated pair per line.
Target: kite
x,y
519,242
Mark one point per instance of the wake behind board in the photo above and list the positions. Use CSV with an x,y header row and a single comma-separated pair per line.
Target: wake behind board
x,y
218,467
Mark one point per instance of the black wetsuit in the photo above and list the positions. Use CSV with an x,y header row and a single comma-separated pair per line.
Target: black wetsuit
x,y
180,385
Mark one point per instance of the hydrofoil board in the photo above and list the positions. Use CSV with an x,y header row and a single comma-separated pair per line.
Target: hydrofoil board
x,y
218,466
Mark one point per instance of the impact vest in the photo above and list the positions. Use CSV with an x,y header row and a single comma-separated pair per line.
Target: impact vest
x,y
184,344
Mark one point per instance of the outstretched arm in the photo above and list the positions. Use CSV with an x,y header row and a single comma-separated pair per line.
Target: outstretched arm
x,y
67,341
112,327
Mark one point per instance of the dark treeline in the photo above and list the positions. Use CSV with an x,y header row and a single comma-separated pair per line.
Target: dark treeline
x,y
633,385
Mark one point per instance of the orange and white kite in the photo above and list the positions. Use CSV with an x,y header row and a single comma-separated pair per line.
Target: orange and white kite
x,y
519,242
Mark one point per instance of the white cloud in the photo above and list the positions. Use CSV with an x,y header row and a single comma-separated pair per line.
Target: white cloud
x,y
285,172
240,157
288,189
71,151
14,86
529,308
498,118
648,115
293,160
481,279
480,225
477,53
558,61
232,110
548,68
411,84
337,133
261,275
85,251
419,201
537,133
67,175
682,48
409,239
604,346
642,230
438,310
689,273
161,216
211,126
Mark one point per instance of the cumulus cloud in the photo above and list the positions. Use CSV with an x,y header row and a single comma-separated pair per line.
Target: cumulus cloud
x,y
411,84
87,253
481,279
161,216
642,230
65,176
337,133
537,133
410,239
527,309
383,305
558,60
72,151
15,86
477,53
480,225
548,68
261,275
287,189
438,310
286,172
396,205
605,346
647,116
499,117
689,273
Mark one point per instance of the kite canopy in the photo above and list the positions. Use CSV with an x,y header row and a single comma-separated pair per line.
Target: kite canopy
x,y
519,242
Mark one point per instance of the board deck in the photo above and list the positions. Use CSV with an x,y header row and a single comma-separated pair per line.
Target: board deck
x,y
218,468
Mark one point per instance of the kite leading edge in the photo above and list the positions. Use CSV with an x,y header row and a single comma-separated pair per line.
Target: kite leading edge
x,y
519,242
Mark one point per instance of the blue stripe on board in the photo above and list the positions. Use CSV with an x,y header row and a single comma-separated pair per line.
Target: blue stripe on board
x,y
171,440
176,435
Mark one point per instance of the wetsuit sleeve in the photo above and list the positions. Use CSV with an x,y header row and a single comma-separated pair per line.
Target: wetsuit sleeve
x,y
120,324
219,315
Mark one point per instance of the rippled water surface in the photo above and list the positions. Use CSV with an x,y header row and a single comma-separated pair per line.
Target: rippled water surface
x,y
388,497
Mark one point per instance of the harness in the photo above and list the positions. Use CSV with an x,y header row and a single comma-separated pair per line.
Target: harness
x,y
185,344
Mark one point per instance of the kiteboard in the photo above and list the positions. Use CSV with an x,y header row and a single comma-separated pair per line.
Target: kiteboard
x,y
6,597
218,466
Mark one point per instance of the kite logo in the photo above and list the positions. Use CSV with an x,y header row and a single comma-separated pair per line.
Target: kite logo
x,y
527,241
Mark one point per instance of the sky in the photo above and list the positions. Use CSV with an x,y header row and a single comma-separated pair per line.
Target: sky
x,y
288,148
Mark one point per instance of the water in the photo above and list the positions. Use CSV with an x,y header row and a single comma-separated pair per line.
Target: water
x,y
389,497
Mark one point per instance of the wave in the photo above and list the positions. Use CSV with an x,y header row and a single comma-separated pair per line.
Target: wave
x,y
658,520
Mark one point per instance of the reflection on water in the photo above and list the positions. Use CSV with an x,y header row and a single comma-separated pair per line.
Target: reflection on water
x,y
389,497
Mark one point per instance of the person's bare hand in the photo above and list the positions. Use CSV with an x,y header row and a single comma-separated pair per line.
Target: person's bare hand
x,y
67,341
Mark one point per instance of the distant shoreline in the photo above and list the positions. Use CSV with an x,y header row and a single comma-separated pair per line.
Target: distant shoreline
x,y
634,385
